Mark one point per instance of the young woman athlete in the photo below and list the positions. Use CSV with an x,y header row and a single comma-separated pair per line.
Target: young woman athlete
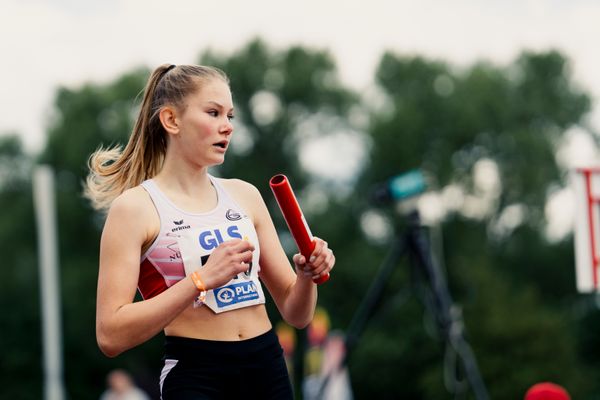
x,y
195,246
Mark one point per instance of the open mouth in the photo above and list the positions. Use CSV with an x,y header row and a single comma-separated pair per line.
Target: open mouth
x,y
221,144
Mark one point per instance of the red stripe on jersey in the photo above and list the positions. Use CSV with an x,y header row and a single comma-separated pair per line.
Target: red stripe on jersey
x,y
150,282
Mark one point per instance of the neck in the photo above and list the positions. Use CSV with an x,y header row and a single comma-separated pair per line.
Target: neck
x,y
178,175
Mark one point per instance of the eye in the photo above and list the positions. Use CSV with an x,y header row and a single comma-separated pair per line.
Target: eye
x,y
213,113
231,117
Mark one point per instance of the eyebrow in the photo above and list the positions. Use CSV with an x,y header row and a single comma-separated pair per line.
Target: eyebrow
x,y
218,104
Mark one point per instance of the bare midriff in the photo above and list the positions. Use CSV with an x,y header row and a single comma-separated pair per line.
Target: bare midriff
x,y
202,323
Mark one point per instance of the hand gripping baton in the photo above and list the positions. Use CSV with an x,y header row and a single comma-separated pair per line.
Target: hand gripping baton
x,y
294,218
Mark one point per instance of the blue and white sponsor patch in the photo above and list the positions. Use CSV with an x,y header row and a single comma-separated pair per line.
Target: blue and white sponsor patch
x,y
227,296
197,244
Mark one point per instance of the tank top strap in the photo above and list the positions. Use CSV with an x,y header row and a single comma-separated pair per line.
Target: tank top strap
x,y
159,200
225,199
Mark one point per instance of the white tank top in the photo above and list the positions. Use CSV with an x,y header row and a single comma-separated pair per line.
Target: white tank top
x,y
186,240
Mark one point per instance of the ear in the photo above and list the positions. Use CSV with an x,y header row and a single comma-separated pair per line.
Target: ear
x,y
168,119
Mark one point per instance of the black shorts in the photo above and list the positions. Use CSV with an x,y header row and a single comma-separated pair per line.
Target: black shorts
x,y
197,369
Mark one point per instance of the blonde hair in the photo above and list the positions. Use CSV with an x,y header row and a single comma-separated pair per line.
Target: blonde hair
x,y
114,170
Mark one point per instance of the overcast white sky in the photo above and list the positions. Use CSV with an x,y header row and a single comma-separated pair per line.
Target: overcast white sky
x,y
49,43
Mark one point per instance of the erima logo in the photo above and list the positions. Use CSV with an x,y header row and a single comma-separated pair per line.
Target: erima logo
x,y
180,226
233,215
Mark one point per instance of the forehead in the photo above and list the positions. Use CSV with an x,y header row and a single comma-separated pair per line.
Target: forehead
x,y
213,90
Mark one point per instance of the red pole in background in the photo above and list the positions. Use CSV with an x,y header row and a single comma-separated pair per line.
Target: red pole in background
x,y
294,218
587,173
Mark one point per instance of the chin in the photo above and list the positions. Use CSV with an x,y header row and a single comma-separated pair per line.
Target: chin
x,y
217,161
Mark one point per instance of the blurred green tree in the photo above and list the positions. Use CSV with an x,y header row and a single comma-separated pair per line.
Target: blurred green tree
x,y
502,123
488,134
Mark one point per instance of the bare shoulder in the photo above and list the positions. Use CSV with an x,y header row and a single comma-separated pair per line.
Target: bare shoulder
x,y
132,215
134,208
239,186
245,193
135,202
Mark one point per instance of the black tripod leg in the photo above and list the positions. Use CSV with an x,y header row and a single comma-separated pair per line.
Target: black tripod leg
x,y
368,305
374,294
449,323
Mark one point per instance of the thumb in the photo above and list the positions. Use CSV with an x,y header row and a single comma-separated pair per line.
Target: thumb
x,y
299,260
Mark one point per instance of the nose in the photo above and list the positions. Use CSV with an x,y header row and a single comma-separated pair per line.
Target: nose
x,y
226,127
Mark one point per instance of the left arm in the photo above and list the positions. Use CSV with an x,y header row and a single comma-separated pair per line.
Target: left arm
x,y
294,292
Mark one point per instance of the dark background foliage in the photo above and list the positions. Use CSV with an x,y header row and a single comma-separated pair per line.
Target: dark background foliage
x,y
516,290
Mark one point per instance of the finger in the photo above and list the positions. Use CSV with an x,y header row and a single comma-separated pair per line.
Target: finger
x,y
248,254
320,260
230,242
320,247
322,257
330,263
244,257
325,266
240,246
325,272
301,266
299,260
243,267
319,271
229,246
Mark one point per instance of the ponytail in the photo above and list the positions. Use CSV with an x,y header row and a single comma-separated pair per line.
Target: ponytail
x,y
114,170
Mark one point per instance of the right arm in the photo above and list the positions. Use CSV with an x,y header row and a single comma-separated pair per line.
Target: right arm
x,y
122,323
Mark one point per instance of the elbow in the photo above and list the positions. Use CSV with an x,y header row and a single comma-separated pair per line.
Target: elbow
x,y
299,323
108,346
299,317
110,352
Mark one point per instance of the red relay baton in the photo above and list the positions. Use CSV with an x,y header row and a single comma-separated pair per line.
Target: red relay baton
x,y
294,218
